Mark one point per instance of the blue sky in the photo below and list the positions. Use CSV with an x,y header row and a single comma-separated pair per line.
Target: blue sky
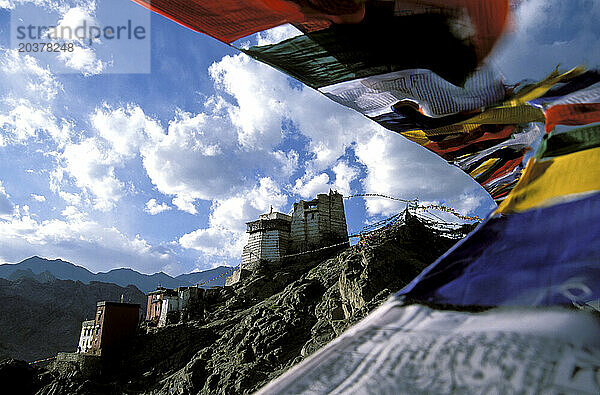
x,y
159,171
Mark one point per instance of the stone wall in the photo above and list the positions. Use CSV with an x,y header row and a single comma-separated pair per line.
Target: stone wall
x,y
68,363
318,223
268,239
187,296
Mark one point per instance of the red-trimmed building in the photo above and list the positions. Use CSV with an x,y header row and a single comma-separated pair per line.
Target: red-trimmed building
x,y
114,324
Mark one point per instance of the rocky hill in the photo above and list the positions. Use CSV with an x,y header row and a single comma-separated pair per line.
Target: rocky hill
x,y
241,337
40,315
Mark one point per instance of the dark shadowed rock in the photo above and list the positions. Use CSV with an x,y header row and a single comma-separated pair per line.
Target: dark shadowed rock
x,y
18,377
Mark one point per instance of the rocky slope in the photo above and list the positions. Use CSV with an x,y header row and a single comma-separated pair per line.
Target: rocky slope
x,y
243,336
40,315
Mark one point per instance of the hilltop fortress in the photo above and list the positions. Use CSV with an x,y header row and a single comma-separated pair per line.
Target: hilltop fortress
x,y
313,224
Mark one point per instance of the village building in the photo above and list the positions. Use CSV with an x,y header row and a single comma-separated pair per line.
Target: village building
x,y
317,223
114,323
156,300
87,336
163,301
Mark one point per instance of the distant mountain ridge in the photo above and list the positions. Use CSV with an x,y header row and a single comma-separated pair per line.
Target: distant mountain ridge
x,y
64,270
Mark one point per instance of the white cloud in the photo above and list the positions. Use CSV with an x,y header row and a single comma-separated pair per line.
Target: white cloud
x,y
92,166
24,74
83,59
288,161
74,25
6,206
92,162
72,213
74,28
344,175
548,33
277,34
185,203
265,98
153,208
217,242
23,121
199,158
71,198
261,99
311,184
80,240
28,93
218,152
38,198
125,129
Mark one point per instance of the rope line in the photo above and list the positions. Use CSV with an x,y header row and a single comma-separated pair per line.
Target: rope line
x,y
451,211
219,276
318,249
283,256
380,195
420,207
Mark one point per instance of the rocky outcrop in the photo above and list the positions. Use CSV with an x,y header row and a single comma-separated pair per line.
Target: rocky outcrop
x,y
247,334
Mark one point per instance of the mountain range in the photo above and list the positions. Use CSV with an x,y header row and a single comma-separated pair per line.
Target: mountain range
x,y
39,268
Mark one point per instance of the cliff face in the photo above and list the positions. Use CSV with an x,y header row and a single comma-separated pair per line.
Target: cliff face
x,y
243,336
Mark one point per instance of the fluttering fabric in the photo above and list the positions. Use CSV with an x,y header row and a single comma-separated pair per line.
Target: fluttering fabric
x,y
416,349
577,108
349,51
542,249
539,257
570,168
229,20
433,96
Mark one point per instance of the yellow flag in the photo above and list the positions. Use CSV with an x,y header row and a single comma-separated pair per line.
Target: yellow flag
x,y
548,181
484,167
417,136
539,88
